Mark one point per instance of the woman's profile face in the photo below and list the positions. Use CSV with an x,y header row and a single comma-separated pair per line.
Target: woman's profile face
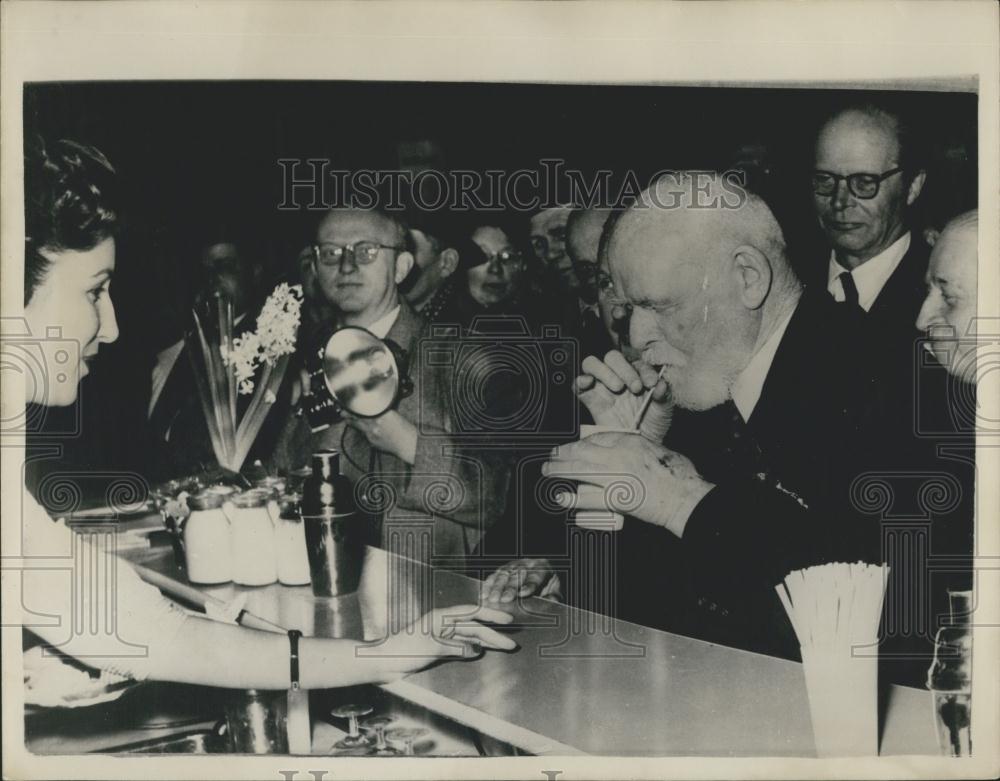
x,y
71,314
496,280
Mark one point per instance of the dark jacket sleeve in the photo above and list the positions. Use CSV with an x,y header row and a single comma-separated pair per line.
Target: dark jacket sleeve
x,y
753,534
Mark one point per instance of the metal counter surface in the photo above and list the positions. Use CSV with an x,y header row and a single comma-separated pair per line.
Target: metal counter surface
x,y
579,682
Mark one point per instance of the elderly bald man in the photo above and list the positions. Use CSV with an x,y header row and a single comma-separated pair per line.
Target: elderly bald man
x,y
949,307
929,554
754,383
712,294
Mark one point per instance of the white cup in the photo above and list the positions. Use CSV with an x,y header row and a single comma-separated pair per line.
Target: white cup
x,y
601,520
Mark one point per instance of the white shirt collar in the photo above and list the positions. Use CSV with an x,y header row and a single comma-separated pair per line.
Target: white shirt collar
x,y
748,386
384,324
870,277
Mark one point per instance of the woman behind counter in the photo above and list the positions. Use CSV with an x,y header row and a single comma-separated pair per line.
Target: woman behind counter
x,y
70,223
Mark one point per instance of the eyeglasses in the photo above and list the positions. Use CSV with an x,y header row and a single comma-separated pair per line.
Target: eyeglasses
x,y
508,258
361,252
606,288
864,186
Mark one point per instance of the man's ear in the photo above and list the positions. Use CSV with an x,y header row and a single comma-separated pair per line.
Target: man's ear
x,y
915,187
448,262
404,262
754,270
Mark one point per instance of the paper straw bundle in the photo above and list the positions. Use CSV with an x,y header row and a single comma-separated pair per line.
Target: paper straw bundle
x,y
835,610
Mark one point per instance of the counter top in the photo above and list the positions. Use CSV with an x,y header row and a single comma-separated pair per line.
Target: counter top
x,y
579,682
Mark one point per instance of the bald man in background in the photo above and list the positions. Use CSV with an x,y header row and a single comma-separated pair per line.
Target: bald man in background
x,y
949,308
583,238
867,175
547,231
763,391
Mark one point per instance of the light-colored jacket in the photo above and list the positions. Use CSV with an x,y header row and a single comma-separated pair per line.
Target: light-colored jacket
x,y
438,509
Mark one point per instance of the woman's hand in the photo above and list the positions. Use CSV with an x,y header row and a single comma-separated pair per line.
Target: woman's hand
x,y
613,391
449,631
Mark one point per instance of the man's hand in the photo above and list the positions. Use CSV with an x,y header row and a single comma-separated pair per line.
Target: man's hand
x,y
613,391
630,475
389,432
521,578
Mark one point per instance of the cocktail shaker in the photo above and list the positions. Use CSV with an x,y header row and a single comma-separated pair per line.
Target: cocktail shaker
x,y
333,539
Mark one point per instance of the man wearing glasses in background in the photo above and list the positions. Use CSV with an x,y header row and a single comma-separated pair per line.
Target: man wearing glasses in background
x,y
408,453
867,175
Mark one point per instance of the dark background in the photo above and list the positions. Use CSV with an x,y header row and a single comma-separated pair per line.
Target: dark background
x,y
194,156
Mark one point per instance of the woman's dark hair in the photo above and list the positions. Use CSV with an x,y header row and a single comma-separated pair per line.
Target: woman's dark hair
x,y
68,203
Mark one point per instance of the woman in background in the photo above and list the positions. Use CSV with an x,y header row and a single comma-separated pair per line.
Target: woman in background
x,y
70,225
493,289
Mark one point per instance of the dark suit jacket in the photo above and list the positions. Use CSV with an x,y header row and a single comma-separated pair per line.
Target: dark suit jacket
x,y
898,303
798,447
454,490
862,474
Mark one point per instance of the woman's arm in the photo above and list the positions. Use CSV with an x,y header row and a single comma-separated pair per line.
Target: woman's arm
x,y
210,653
126,626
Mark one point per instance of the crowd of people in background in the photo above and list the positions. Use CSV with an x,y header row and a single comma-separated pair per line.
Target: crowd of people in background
x,y
779,385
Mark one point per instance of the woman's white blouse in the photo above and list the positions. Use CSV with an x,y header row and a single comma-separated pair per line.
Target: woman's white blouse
x,y
85,601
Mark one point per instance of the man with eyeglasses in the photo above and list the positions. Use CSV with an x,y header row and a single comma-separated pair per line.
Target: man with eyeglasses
x,y
408,453
866,177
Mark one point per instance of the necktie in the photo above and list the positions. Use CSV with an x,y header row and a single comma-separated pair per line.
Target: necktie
x,y
850,290
745,458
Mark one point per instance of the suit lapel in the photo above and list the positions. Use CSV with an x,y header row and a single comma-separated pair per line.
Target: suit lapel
x,y
898,303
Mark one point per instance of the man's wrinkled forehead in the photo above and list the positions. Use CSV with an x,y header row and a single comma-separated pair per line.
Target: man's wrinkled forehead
x,y
955,257
857,142
652,262
357,225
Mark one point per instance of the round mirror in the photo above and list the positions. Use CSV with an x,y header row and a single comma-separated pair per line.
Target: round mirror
x,y
360,372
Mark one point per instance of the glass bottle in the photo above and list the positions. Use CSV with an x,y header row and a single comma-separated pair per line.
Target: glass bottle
x,y
950,678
